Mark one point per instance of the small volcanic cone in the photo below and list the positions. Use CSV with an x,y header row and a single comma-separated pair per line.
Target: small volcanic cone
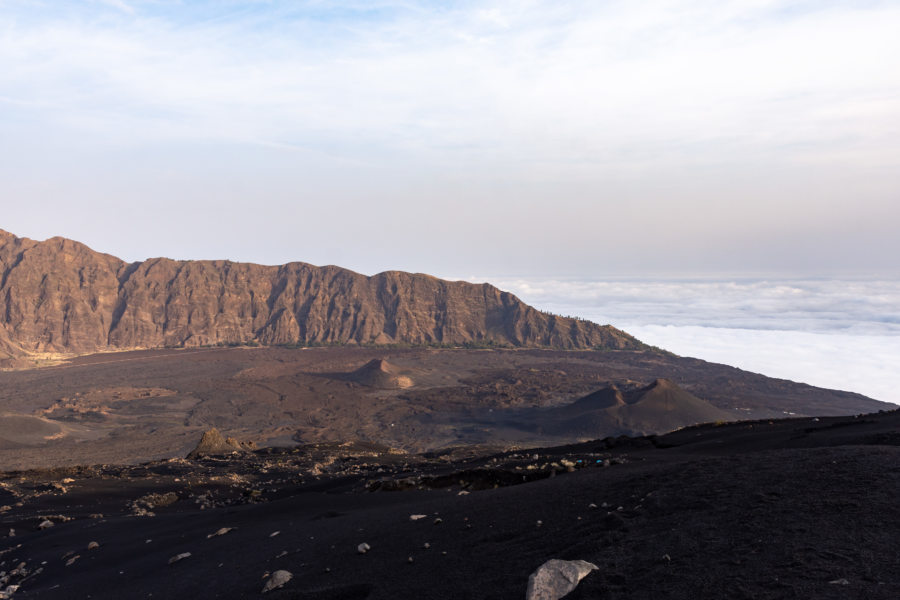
x,y
663,406
656,408
379,373
213,444
608,397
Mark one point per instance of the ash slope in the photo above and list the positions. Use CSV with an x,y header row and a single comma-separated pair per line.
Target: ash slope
x,y
59,296
800,508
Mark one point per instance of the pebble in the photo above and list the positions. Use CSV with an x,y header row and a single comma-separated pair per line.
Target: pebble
x,y
45,524
221,531
178,557
363,548
93,546
416,517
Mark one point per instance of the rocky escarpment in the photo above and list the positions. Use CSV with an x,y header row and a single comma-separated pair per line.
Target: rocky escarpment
x,y
59,296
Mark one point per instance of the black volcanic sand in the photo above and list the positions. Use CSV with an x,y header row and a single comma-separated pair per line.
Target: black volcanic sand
x,y
800,508
147,405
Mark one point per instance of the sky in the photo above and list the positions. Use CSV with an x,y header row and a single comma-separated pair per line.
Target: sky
x,y
500,138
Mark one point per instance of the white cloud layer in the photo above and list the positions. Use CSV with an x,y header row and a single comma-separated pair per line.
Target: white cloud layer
x,y
834,334
866,364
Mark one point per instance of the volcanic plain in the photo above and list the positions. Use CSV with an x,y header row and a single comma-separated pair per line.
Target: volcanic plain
x,y
146,405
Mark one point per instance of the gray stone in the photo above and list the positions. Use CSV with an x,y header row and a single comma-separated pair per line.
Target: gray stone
x,y
556,578
277,580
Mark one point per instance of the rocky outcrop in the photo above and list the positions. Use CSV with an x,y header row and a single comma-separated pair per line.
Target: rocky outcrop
x,y
59,296
212,443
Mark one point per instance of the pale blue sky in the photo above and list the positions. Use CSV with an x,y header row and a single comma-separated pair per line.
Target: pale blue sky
x,y
497,138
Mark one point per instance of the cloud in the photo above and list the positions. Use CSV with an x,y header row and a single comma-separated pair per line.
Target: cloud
x,y
838,334
117,4
577,136
861,306
858,363
561,88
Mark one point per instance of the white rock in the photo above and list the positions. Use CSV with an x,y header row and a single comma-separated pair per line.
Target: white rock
x,y
556,578
277,580
416,517
363,548
93,546
45,524
178,557
221,531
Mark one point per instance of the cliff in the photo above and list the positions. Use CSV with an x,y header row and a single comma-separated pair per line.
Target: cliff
x,y
59,296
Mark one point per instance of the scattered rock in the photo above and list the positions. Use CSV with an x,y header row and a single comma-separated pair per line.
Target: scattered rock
x,y
277,580
556,578
221,531
179,557
840,581
363,548
72,560
45,524
143,506
416,517
93,546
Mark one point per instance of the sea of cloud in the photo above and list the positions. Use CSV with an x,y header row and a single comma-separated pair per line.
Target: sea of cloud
x,y
839,334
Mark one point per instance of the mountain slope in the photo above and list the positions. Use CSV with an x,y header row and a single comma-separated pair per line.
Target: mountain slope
x,y
59,296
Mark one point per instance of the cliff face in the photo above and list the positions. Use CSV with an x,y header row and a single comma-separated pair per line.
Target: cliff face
x,y
60,296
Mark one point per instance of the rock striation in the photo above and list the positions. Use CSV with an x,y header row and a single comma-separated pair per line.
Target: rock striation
x,y
59,296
